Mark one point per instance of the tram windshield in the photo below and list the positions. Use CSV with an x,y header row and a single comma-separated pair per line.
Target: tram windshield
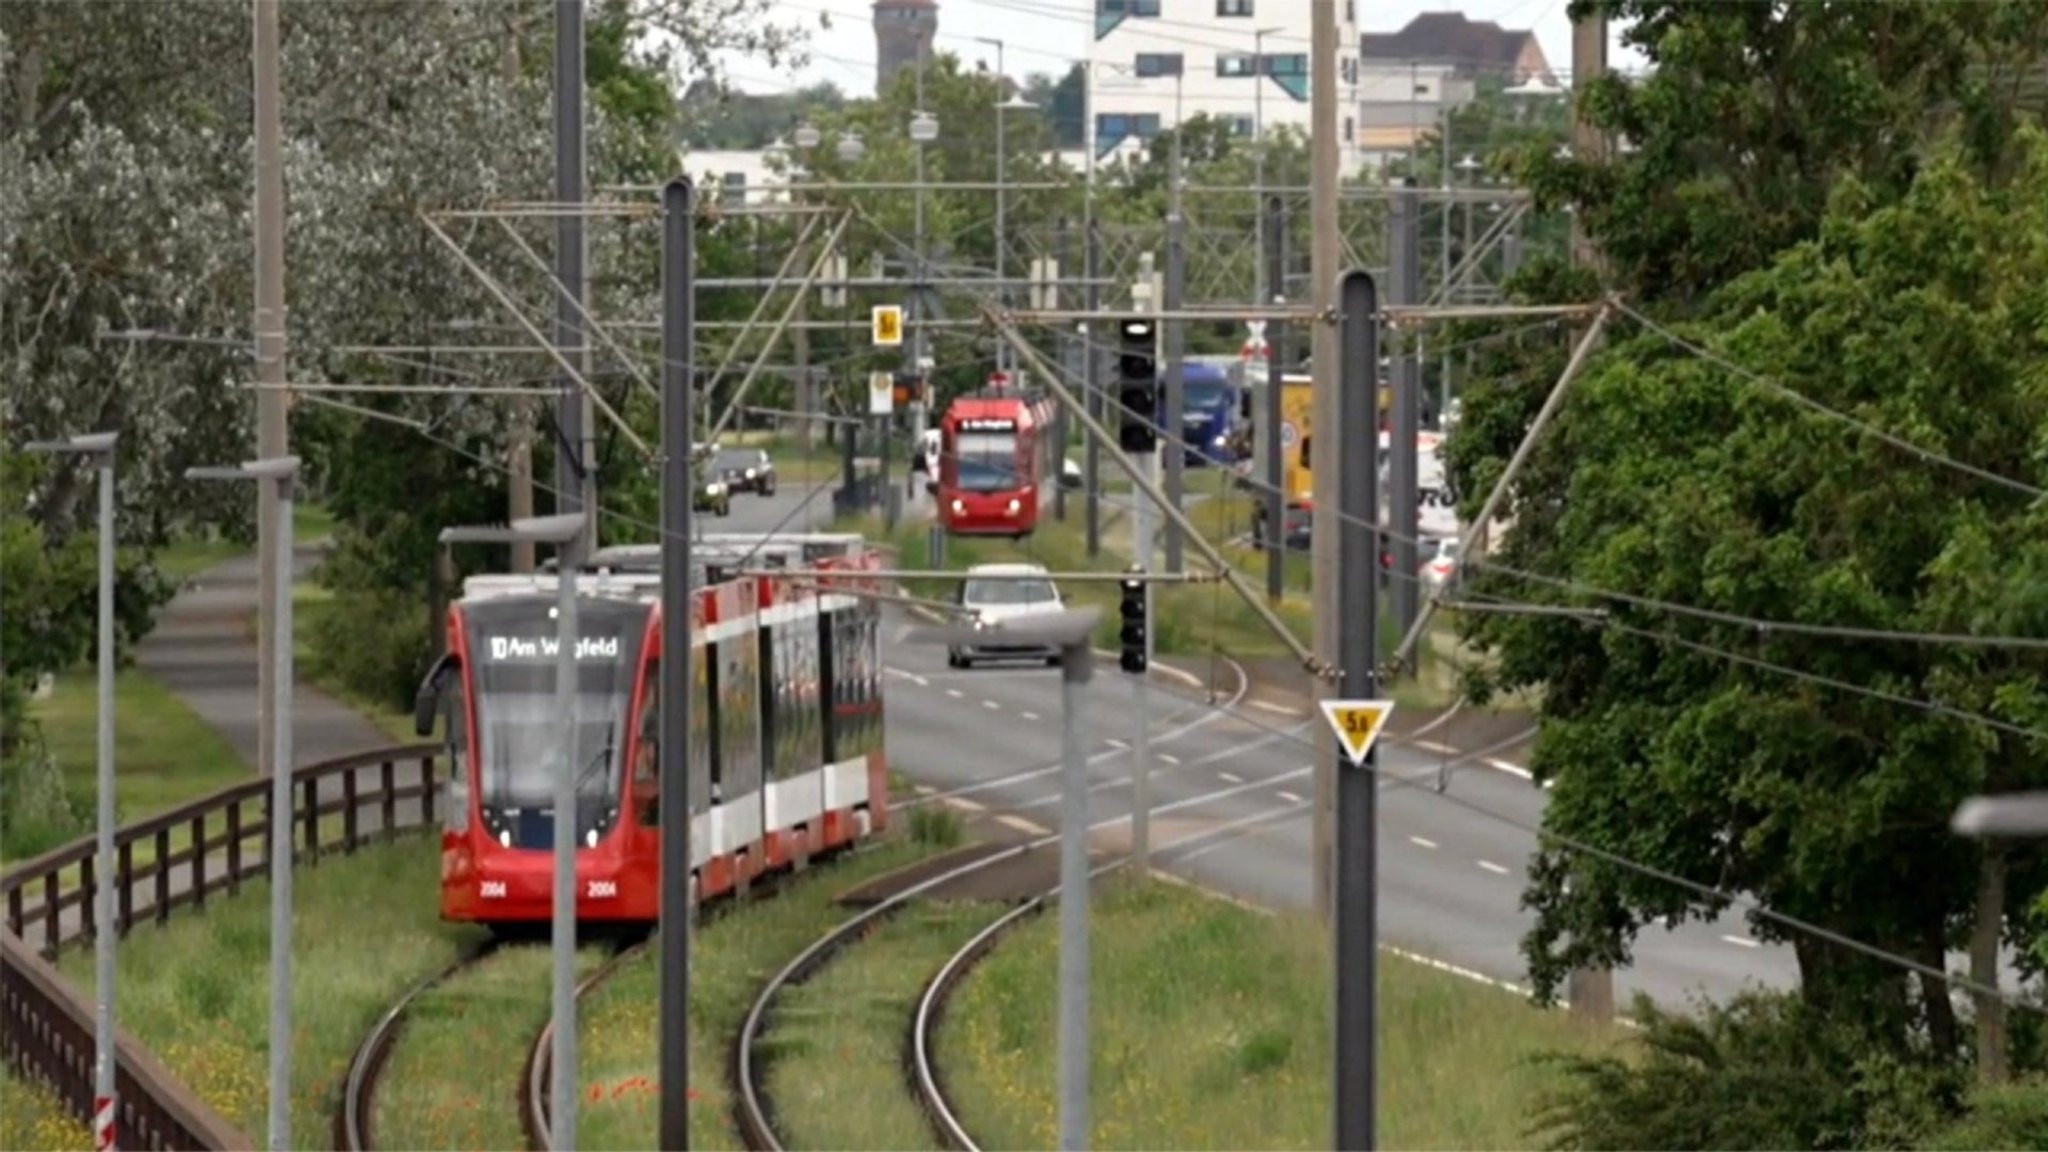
x,y
512,651
987,461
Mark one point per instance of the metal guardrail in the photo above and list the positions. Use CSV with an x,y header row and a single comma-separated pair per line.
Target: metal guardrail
x,y
174,859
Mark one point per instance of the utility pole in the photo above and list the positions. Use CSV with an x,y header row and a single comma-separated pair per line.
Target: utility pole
x,y
272,404
678,356
1091,379
1357,914
1326,255
575,442
1404,251
1069,350
1275,281
519,446
1141,563
1175,344
1591,990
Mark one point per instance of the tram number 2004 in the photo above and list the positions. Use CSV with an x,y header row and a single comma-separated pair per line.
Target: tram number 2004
x,y
492,890
601,890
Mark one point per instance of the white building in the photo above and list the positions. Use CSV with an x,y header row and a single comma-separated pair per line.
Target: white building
x,y
1153,64
736,177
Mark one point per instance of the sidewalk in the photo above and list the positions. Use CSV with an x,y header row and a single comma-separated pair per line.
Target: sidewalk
x,y
201,649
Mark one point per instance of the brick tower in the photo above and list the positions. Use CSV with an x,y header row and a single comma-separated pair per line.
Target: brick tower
x,y
903,37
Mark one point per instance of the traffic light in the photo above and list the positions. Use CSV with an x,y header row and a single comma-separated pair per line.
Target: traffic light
x,y
1137,387
1133,634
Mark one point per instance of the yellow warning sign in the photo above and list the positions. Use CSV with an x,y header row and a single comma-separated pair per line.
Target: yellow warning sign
x,y
1357,724
888,325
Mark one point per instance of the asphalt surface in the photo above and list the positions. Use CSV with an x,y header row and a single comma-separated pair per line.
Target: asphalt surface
x,y
987,742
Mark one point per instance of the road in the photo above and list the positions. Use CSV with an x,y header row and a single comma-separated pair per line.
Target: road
x,y
987,740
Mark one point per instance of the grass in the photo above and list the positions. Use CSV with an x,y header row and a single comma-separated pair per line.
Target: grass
x,y
454,1072
1212,1030
202,548
164,755
31,1117
836,1052
194,990
731,958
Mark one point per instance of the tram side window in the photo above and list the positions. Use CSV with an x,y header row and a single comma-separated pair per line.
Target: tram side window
x,y
647,754
701,703
455,719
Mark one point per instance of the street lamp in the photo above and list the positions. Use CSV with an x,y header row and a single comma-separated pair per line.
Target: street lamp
x,y
806,136
2014,815
561,532
282,472
1265,291
850,148
1009,102
1068,632
99,448
924,129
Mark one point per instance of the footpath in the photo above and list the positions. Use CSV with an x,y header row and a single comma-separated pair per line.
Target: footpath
x,y
204,651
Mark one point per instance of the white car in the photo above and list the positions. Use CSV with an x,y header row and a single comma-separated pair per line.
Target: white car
x,y
995,594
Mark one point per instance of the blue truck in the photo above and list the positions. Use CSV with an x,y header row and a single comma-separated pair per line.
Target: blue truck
x,y
1215,412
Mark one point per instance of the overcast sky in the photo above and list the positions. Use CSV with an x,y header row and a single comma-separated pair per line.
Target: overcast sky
x,y
1049,35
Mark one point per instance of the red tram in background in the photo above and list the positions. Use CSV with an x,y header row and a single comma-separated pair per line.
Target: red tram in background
x,y
786,758
997,454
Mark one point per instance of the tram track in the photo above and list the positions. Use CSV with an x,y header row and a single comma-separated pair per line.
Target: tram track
x,y
354,1120
920,1063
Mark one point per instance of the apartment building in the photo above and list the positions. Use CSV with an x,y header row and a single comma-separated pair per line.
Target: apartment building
x,y
1156,63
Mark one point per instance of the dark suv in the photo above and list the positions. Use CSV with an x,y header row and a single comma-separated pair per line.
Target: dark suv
x,y
744,470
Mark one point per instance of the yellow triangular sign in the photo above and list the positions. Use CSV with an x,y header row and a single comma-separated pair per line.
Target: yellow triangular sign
x,y
1357,724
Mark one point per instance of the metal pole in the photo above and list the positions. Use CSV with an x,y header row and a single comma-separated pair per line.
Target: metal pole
x,y
281,838
1069,349
1076,666
678,356
1326,259
104,930
1174,340
272,402
1357,788
1141,694
575,448
1275,216
1091,382
1002,200
1404,250
562,1113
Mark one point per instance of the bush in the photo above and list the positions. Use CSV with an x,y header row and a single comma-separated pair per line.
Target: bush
x,y
375,644
1763,1071
939,827
2008,1116
36,812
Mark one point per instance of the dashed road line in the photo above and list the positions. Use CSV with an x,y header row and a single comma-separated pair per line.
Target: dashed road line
x,y
1436,746
1028,715
1280,709
1290,797
1233,777
1022,825
1117,744
1510,769
1744,941
913,677
955,693
1490,866
965,805
924,789
1168,758
1422,841
990,705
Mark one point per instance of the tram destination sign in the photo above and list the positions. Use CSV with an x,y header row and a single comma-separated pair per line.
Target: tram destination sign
x,y
513,648
987,424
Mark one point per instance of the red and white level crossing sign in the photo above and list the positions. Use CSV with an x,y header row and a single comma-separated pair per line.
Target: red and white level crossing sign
x,y
1254,344
103,1123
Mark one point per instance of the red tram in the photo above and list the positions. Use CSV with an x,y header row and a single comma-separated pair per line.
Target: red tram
x,y
997,453
786,757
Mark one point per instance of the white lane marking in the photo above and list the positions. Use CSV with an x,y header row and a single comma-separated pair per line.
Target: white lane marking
x,y
1423,841
1119,745
1280,709
1744,941
1510,769
1490,866
1436,746
1028,715
913,677
955,693
990,705
1290,797
1168,758
1233,777
1022,825
965,805
924,789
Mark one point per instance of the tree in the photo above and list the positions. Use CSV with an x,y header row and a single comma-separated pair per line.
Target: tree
x,y
1673,479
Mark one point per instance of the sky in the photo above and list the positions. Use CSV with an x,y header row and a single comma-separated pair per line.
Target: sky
x,y
842,38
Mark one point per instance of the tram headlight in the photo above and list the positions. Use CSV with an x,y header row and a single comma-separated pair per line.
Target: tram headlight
x,y
1015,506
590,838
959,506
505,837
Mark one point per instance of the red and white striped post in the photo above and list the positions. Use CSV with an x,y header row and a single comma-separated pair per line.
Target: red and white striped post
x,y
103,1123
